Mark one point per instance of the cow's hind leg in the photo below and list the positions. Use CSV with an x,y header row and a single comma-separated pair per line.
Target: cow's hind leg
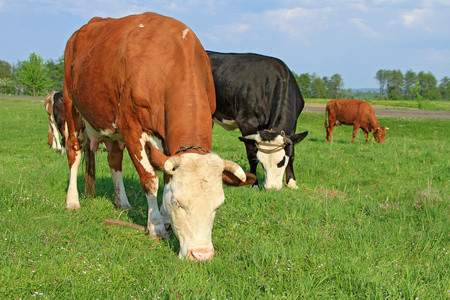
x,y
49,135
115,157
355,131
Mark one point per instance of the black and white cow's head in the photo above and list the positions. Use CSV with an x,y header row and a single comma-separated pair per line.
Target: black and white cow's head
x,y
274,151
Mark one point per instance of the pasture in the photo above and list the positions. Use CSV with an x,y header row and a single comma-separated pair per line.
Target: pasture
x,y
368,221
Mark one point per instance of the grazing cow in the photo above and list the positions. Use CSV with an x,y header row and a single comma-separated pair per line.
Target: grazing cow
x,y
145,82
53,135
354,112
259,95
57,120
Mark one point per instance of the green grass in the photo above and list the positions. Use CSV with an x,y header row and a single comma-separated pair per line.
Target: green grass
x,y
398,104
368,221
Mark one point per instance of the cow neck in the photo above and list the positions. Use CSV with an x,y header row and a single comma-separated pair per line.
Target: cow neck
x,y
190,149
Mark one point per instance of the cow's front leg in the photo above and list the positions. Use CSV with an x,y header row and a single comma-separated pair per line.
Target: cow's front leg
x,y
253,161
290,177
149,181
74,159
115,157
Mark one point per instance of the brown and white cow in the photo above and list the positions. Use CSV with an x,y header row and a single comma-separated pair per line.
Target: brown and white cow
x,y
145,82
354,112
53,135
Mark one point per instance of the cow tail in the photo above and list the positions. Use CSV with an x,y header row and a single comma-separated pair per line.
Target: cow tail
x,y
326,120
89,158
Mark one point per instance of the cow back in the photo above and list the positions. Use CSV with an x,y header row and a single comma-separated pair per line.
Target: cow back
x,y
260,89
117,68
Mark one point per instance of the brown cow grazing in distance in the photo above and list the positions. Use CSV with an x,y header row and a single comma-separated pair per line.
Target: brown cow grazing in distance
x,y
354,112
145,82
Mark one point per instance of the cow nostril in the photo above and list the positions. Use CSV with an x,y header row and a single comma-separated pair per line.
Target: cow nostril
x,y
200,255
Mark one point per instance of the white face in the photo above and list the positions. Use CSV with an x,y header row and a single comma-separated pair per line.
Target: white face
x,y
274,164
191,199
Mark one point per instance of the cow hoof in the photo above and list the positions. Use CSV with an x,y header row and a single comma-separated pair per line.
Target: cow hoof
x,y
292,184
125,205
73,206
157,231
255,186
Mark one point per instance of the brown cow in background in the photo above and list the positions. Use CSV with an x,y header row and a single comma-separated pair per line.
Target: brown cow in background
x,y
354,112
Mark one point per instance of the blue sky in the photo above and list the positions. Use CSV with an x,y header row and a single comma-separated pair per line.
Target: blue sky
x,y
354,38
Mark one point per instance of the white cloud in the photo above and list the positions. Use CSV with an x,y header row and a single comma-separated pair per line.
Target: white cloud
x,y
416,17
298,23
363,28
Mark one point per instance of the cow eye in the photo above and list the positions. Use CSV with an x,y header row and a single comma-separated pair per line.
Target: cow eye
x,y
281,163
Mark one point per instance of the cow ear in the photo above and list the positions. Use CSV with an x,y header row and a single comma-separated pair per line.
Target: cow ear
x,y
297,138
230,179
247,141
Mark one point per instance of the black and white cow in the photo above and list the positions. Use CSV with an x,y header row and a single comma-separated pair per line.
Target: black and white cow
x,y
259,95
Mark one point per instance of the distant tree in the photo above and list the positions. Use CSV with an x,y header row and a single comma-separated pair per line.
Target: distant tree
x,y
304,82
428,85
394,84
33,74
6,85
408,83
318,88
56,73
336,85
416,91
444,88
381,76
5,69
326,82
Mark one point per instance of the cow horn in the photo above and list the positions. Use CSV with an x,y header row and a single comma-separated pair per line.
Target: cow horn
x,y
234,168
250,137
172,163
288,140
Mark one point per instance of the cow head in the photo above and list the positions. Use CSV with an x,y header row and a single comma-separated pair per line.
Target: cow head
x,y
274,151
191,198
380,134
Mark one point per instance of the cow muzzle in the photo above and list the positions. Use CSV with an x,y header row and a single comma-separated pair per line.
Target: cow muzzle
x,y
200,255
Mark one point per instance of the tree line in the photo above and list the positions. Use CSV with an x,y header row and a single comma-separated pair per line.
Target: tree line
x,y
34,76
37,77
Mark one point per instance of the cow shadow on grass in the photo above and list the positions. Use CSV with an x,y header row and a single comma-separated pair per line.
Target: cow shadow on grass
x,y
138,214
322,140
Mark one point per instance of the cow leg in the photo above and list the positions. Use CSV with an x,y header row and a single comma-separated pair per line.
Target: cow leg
x,y
115,157
149,181
64,136
355,131
74,125
253,161
74,159
49,135
290,177
55,144
366,135
330,130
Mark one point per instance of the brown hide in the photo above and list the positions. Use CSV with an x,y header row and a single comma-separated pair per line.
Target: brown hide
x,y
125,73
354,112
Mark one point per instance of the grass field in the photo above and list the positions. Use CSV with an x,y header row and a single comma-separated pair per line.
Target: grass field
x,y
399,104
368,221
